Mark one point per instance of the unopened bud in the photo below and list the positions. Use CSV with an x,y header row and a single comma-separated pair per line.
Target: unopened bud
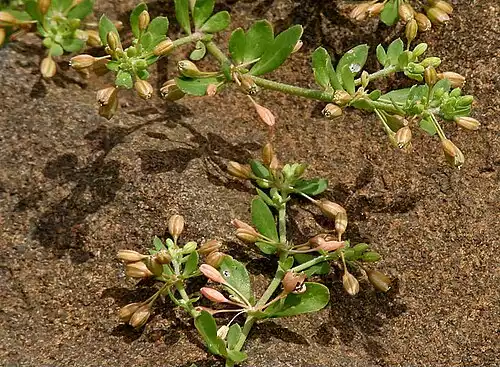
x,y
113,40
411,30
360,12
175,225
105,96
456,80
144,20
294,282
265,114
329,209
215,259
222,332
127,311
170,91
341,97
154,266
164,47
130,256
466,100
424,24
143,88
332,111
209,247
350,283
267,154
403,137
248,85
442,5
431,61
108,110
430,76
246,235
3,34
211,273
7,19
163,257
239,170
341,223
406,12
43,6
93,39
48,67
137,270
452,154
211,90
437,15
240,224
380,281
82,61
468,123
189,247
375,9
297,46
188,68
213,295
140,317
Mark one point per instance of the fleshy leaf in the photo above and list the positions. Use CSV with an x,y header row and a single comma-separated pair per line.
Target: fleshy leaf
x,y
428,126
381,55
199,52
191,264
158,27
278,52
124,80
321,62
236,274
311,187
259,169
263,219
266,248
236,355
182,14
196,87
317,269
237,45
205,323
134,19
398,95
56,50
217,22
313,299
106,26
233,335
354,59
348,79
80,11
259,38
395,49
202,11
390,14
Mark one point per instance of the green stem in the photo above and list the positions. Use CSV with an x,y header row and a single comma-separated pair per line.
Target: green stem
x,y
312,262
438,127
378,74
217,53
293,90
188,39
187,302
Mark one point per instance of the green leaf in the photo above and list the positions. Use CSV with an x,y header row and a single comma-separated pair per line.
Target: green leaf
x,y
263,219
158,27
142,74
259,169
317,269
217,22
182,14
381,55
73,45
199,52
390,14
106,26
278,52
158,245
441,84
191,264
233,335
33,10
264,197
313,299
236,355
147,41
237,45
205,323
428,126
395,49
311,187
259,38
124,80
196,87
134,19
360,248
236,274
354,59
266,248
113,65
398,95
321,62
348,80
56,50
370,256
202,11
81,10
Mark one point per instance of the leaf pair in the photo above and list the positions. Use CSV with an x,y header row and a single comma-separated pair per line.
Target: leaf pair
x,y
202,16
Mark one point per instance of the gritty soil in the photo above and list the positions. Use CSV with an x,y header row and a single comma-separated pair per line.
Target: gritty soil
x,y
75,188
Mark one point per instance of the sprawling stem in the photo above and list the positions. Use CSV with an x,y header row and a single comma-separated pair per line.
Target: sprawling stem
x,y
216,52
188,39
378,74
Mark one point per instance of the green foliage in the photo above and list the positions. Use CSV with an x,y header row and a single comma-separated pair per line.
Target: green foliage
x,y
313,299
236,275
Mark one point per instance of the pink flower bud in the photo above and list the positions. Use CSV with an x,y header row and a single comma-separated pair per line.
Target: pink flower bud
x,y
213,295
211,273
